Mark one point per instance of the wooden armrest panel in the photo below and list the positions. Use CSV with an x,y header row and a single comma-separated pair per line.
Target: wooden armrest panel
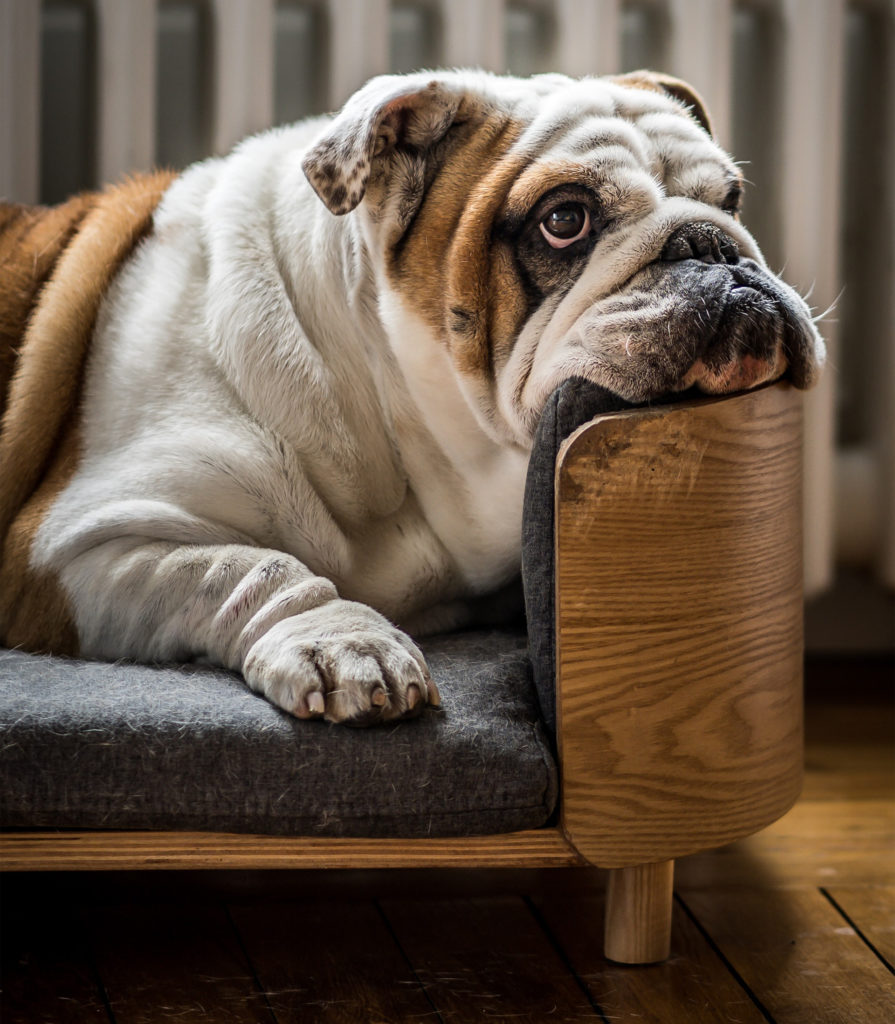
x,y
679,625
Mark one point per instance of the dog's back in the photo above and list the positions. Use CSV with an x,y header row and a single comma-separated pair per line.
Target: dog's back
x,y
56,264
31,241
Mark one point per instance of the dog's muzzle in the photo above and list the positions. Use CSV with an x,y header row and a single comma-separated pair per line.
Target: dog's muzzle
x,y
754,326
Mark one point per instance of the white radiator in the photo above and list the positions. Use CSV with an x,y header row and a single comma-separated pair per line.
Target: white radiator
x,y
801,90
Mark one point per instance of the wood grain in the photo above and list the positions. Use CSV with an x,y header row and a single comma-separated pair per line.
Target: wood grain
x,y
819,842
329,964
486,960
800,958
691,985
679,604
679,645
844,845
872,911
173,966
94,851
638,913
842,830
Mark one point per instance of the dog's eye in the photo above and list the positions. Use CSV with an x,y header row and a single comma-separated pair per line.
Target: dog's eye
x,y
566,224
733,199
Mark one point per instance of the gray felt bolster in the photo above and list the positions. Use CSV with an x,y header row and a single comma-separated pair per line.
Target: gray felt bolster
x,y
573,403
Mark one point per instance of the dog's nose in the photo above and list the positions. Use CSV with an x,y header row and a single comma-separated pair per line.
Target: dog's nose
x,y
700,241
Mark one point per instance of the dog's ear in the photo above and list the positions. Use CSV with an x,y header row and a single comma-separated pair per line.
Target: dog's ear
x,y
676,87
392,110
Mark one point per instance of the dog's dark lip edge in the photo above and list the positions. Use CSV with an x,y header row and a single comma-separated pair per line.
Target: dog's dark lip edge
x,y
747,275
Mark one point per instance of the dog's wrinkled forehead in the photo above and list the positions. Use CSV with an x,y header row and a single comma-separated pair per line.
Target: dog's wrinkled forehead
x,y
486,194
647,125
612,135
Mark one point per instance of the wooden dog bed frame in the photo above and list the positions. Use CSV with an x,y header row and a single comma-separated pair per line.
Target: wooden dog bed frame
x,y
679,671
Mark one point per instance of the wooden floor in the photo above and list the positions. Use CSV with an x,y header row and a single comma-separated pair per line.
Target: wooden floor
x,y
795,925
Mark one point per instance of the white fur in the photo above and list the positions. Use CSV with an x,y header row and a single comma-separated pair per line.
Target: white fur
x,y
274,444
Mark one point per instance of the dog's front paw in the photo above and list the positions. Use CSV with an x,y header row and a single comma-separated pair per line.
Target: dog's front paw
x,y
343,662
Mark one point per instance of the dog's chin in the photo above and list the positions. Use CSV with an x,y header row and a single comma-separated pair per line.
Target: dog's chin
x,y
747,344
764,331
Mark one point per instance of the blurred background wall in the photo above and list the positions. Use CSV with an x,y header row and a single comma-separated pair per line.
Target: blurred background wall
x,y
802,92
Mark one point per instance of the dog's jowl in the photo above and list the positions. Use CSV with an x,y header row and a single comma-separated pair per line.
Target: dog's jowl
x,y
276,412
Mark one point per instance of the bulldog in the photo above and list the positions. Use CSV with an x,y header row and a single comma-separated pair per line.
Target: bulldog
x,y
275,413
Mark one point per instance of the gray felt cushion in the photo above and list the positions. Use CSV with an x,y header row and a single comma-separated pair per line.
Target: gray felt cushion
x,y
90,745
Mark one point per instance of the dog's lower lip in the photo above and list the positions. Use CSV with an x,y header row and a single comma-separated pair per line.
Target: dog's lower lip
x,y
745,297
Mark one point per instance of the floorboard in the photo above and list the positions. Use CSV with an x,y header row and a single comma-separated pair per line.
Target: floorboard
x,y
824,842
871,911
330,963
799,957
485,959
692,985
47,973
159,963
795,925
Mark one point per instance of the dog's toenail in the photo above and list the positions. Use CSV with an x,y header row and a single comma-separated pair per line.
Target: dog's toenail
x,y
434,695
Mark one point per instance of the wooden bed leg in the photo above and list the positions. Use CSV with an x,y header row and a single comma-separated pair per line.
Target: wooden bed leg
x,y
638,913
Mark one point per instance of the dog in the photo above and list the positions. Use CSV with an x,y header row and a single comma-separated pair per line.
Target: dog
x,y
275,413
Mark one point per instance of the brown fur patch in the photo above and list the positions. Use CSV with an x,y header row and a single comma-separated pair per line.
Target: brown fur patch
x,y
33,611
508,309
61,261
445,265
31,239
483,276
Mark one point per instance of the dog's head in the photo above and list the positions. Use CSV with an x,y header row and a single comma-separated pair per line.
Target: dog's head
x,y
544,228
